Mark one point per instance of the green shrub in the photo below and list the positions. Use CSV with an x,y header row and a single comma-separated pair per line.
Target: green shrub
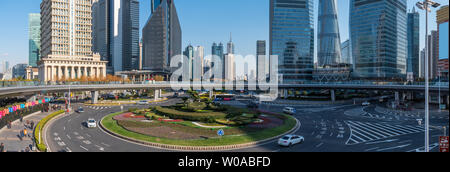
x,y
39,128
190,116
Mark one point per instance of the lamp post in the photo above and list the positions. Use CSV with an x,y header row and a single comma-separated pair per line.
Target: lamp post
x,y
425,5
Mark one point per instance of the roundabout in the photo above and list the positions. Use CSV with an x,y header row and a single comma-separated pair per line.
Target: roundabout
x,y
197,131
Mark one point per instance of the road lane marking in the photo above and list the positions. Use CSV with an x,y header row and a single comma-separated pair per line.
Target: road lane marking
x,y
69,137
367,150
84,148
383,141
390,148
320,144
373,128
367,132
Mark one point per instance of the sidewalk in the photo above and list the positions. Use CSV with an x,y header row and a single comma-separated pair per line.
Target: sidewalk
x,y
10,137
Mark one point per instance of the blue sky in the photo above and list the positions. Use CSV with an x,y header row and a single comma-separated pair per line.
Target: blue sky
x,y
203,22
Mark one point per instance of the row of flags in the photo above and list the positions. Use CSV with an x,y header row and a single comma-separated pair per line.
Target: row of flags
x,y
15,108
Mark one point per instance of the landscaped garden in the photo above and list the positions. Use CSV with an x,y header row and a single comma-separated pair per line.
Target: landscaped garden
x,y
195,122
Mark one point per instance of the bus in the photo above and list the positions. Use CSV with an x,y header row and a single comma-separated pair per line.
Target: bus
x,y
224,97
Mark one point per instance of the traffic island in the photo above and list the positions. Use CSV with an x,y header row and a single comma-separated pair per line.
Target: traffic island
x,y
173,129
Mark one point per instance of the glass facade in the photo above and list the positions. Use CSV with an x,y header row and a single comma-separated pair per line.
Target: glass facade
x,y
328,35
34,38
346,53
292,38
413,43
378,38
161,37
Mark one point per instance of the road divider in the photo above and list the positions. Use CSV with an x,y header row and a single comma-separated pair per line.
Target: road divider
x,y
38,132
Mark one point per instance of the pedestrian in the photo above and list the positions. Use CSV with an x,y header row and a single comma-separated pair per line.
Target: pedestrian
x,y
27,149
9,125
2,147
21,135
32,125
25,132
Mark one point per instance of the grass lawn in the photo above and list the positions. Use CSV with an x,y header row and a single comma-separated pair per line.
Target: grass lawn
x,y
112,125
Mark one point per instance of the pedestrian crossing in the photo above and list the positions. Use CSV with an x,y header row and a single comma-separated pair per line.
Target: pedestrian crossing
x,y
98,107
361,132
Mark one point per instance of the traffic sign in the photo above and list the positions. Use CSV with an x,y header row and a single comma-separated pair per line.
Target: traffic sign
x,y
220,132
443,144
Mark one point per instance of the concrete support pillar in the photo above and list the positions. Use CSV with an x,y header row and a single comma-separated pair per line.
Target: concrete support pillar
x,y
160,93
94,97
211,94
397,97
333,96
285,93
157,94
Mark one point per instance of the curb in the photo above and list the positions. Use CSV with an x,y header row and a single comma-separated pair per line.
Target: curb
x,y
201,148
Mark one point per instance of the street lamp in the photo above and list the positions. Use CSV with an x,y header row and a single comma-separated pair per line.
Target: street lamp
x,y
425,5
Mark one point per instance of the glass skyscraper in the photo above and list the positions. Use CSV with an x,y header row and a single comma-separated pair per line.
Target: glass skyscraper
x,y
378,37
34,34
328,35
413,43
292,38
115,26
161,37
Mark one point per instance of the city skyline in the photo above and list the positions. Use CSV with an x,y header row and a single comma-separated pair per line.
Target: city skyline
x,y
15,50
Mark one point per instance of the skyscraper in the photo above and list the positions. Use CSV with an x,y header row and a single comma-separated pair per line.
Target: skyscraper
x,y
161,37
115,28
328,35
230,46
34,40
346,52
189,53
218,64
260,61
378,38
19,70
442,22
433,54
413,43
66,41
292,38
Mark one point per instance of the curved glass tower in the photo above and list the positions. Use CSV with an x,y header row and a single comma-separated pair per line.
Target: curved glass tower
x,y
378,38
292,38
329,38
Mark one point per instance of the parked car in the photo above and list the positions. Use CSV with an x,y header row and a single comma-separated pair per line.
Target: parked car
x,y
289,110
91,123
290,140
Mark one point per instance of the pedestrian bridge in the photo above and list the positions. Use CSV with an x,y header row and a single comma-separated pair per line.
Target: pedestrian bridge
x,y
28,88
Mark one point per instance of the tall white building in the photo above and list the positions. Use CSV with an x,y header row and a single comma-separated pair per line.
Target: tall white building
x,y
66,41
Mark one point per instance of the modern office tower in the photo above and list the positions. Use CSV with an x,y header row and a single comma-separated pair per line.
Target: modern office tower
x,y
230,68
433,54
189,53
328,34
442,22
4,66
230,46
219,64
34,38
161,37
66,41
19,70
260,61
413,43
422,64
292,38
115,28
346,53
378,38
198,63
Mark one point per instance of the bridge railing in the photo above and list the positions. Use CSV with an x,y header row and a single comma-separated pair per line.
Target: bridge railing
x,y
11,84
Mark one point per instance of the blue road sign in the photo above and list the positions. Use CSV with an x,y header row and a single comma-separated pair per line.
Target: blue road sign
x,y
220,132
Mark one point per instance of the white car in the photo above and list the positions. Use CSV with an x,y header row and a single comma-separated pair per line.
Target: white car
x,y
365,103
290,140
143,102
289,110
91,123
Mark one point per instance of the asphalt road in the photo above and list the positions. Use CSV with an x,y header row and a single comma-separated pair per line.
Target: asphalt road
x,y
329,128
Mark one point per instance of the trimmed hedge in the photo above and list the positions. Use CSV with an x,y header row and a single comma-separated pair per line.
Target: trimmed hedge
x,y
190,116
40,126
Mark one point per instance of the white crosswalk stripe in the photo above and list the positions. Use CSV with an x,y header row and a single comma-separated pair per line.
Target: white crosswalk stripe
x,y
361,132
